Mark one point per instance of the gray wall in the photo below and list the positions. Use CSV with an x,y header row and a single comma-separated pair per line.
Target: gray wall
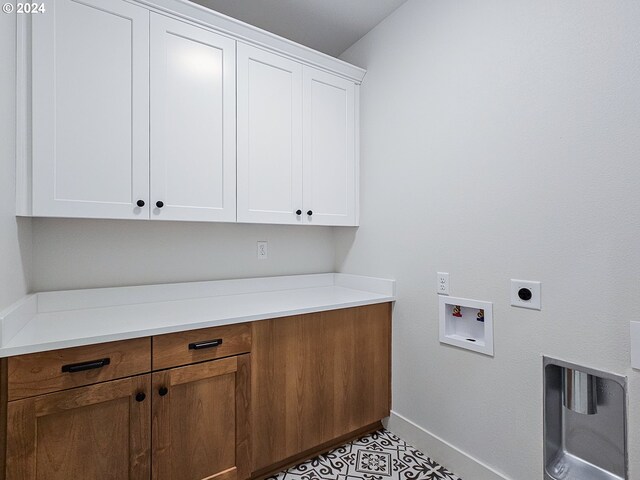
x,y
15,234
500,139
96,253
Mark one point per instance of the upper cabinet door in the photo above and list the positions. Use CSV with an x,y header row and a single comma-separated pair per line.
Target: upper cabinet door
x,y
269,137
90,109
330,183
193,136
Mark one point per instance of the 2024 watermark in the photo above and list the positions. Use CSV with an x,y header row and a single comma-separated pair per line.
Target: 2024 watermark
x,y
24,8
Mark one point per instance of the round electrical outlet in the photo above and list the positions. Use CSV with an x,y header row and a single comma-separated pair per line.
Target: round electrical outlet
x,y
525,294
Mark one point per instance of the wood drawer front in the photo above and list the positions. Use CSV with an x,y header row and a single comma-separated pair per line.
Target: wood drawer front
x,y
177,349
39,373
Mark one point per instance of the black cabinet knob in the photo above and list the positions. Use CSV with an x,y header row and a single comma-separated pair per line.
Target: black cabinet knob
x,y
140,396
298,212
310,212
140,203
159,204
163,391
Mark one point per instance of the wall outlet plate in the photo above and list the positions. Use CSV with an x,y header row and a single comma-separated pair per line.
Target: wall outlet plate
x,y
442,286
526,294
262,250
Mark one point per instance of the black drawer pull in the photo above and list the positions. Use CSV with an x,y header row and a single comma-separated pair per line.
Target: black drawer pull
x,y
80,367
205,344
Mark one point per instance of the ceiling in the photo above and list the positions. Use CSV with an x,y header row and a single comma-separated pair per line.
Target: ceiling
x,y
330,26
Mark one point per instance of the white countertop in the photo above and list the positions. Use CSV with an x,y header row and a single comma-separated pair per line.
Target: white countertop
x,y
53,320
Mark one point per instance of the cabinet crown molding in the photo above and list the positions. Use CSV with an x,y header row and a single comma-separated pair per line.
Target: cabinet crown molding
x,y
253,35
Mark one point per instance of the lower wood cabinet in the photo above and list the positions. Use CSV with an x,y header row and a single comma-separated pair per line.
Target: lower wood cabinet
x,y
201,421
316,378
224,403
98,432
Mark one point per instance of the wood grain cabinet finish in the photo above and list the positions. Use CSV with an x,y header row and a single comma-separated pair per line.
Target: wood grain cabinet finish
x,y
272,392
182,348
98,432
317,377
201,421
45,372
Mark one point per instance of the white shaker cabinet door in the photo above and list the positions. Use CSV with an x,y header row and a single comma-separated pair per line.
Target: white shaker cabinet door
x,y
193,135
329,164
269,137
90,109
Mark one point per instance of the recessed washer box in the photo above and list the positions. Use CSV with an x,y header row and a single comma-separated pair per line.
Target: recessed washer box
x,y
467,324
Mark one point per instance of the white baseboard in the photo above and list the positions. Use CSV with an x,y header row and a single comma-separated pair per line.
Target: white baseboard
x,y
454,459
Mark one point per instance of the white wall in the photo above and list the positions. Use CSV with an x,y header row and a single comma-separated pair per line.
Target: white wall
x,y
15,234
96,253
501,139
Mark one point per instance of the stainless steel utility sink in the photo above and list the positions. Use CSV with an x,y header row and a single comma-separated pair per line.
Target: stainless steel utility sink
x,y
585,434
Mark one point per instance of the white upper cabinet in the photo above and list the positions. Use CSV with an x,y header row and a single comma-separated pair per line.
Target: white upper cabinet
x,y
296,142
90,70
164,110
193,137
269,137
330,180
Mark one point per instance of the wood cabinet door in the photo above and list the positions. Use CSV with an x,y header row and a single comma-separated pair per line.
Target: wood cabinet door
x,y
329,165
200,421
269,137
193,134
317,377
98,432
91,109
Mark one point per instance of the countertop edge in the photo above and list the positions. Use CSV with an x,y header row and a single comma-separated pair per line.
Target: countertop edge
x,y
18,316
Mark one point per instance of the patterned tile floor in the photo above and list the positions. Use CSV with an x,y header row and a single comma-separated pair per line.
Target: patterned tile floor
x,y
379,456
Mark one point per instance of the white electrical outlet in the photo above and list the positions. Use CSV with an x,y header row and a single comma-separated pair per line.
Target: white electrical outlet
x,y
526,294
443,283
262,250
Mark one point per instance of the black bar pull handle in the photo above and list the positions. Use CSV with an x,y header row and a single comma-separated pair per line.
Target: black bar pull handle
x,y
206,344
80,367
